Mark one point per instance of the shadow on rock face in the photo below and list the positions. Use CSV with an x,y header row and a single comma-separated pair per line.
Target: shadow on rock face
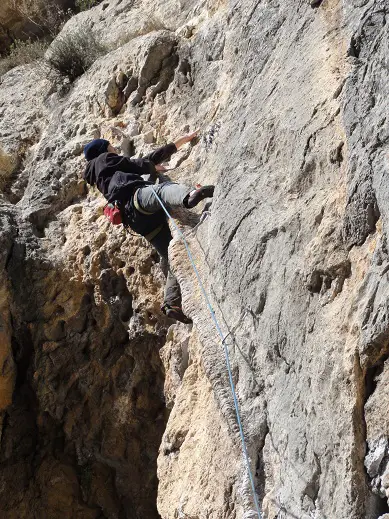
x,y
88,411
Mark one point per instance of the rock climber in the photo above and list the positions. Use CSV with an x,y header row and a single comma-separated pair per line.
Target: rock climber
x,y
126,181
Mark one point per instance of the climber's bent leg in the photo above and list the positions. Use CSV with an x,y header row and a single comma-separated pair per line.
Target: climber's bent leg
x,y
172,288
161,244
171,194
172,291
172,299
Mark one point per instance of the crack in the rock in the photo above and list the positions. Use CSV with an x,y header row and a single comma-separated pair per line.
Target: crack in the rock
x,y
253,11
235,230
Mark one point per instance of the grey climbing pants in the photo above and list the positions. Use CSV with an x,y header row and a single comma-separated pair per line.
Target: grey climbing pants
x,y
172,195
172,288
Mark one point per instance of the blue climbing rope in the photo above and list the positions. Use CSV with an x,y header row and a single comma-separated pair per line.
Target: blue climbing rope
x,y
223,338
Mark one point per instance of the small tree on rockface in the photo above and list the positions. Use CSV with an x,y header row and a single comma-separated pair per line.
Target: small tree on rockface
x,y
73,53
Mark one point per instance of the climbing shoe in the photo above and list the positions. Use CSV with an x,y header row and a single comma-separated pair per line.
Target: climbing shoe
x,y
175,312
197,195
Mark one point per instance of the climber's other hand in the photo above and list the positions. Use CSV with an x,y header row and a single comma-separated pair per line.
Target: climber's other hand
x,y
191,136
186,138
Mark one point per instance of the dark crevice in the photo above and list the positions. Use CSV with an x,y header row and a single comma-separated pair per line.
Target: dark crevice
x,y
260,476
22,349
382,506
9,255
355,47
339,90
253,11
316,3
312,488
336,156
321,280
185,70
371,375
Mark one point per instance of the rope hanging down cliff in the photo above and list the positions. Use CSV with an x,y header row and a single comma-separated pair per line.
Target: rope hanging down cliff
x,y
226,353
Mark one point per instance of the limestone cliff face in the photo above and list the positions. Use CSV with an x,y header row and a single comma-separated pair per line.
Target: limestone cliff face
x,y
291,99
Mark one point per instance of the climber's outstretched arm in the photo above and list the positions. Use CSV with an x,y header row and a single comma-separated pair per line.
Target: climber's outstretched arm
x,y
161,154
186,138
165,152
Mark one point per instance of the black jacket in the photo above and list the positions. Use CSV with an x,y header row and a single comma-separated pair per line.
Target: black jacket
x,y
118,177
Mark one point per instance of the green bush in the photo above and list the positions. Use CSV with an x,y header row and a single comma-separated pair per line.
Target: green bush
x,y
21,53
84,5
72,54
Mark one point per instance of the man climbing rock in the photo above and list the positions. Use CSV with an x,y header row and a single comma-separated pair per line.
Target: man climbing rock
x,y
127,182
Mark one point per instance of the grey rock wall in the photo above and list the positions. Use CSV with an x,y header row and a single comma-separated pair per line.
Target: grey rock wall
x,y
291,248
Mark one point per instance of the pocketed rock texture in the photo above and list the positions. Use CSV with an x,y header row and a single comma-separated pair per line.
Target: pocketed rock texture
x,y
290,99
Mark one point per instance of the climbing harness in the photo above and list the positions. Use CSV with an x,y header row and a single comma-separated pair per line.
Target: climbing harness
x,y
137,205
223,338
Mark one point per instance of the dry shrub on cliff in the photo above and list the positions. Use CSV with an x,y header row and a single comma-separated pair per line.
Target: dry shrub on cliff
x,y
21,53
72,54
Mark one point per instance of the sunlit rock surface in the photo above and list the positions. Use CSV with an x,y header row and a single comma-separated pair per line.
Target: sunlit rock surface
x,y
290,99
